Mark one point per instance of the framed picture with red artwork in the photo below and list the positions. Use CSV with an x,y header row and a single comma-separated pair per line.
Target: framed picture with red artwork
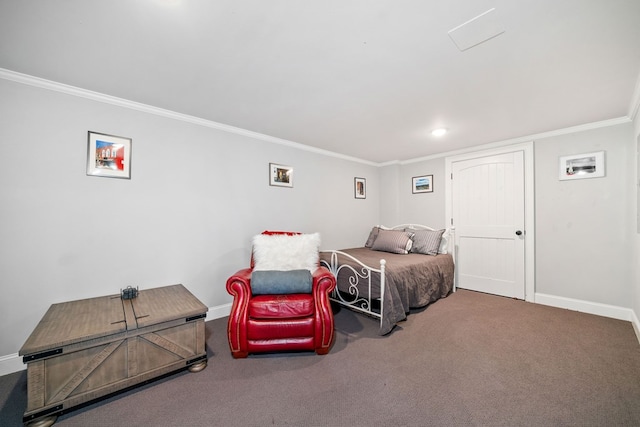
x,y
108,156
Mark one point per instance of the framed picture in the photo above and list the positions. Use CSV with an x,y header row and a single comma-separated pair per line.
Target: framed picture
x,y
579,166
422,184
360,188
108,156
280,175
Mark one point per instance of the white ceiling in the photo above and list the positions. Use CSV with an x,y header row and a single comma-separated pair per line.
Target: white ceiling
x,y
364,78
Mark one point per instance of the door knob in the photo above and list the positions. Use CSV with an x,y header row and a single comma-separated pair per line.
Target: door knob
x,y
518,233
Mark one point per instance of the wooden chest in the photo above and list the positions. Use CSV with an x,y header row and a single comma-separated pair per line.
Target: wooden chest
x,y
83,350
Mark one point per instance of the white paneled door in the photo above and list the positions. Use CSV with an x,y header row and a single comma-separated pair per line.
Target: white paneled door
x,y
488,212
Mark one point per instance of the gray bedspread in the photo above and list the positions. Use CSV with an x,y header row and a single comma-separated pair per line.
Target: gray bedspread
x,y
412,280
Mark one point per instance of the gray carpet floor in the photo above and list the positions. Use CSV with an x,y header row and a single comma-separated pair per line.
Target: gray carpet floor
x,y
470,359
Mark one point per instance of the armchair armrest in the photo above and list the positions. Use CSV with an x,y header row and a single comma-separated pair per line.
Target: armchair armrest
x,y
323,283
240,282
323,280
239,285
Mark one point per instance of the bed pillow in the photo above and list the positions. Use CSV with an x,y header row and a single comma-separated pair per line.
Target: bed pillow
x,y
394,241
372,236
270,282
284,252
426,242
444,243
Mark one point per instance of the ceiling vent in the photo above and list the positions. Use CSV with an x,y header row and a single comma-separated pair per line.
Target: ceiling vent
x,y
477,30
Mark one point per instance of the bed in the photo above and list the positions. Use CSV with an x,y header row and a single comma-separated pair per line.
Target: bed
x,y
388,276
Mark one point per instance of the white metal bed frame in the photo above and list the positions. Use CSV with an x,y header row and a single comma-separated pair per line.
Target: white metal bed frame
x,y
354,298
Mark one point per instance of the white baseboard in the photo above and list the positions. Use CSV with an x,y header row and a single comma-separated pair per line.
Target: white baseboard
x,y
636,325
597,308
13,362
218,311
605,310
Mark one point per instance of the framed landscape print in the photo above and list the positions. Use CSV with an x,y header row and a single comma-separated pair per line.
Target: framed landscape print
x,y
280,175
360,188
108,156
422,184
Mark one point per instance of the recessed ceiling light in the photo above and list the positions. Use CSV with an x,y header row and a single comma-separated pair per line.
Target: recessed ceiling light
x,y
439,132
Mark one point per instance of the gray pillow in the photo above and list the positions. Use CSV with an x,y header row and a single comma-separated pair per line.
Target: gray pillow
x,y
394,241
277,282
426,241
372,237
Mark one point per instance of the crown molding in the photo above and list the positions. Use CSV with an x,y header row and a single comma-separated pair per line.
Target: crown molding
x,y
528,138
132,105
124,103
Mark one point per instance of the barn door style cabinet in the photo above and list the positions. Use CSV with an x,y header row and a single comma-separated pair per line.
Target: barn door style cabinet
x,y
87,349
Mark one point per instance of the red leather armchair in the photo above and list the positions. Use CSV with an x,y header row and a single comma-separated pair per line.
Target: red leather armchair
x,y
280,322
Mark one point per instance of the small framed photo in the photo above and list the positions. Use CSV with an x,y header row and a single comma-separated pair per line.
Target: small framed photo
x,y
580,166
280,175
108,156
360,188
422,184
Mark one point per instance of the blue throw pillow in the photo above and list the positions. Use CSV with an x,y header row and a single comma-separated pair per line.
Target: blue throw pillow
x,y
274,282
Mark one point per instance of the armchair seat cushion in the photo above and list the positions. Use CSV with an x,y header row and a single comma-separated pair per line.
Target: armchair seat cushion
x,y
289,306
263,331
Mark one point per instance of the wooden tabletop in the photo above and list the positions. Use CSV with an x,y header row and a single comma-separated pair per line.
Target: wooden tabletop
x,y
153,306
76,321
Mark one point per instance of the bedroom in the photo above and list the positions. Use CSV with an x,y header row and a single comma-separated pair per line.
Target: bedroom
x,y
199,191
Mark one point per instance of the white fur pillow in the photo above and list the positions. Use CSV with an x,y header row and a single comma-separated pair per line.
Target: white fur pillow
x,y
283,252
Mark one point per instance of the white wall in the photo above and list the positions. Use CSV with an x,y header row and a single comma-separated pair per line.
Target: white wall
x,y
409,208
196,197
635,197
583,227
389,196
